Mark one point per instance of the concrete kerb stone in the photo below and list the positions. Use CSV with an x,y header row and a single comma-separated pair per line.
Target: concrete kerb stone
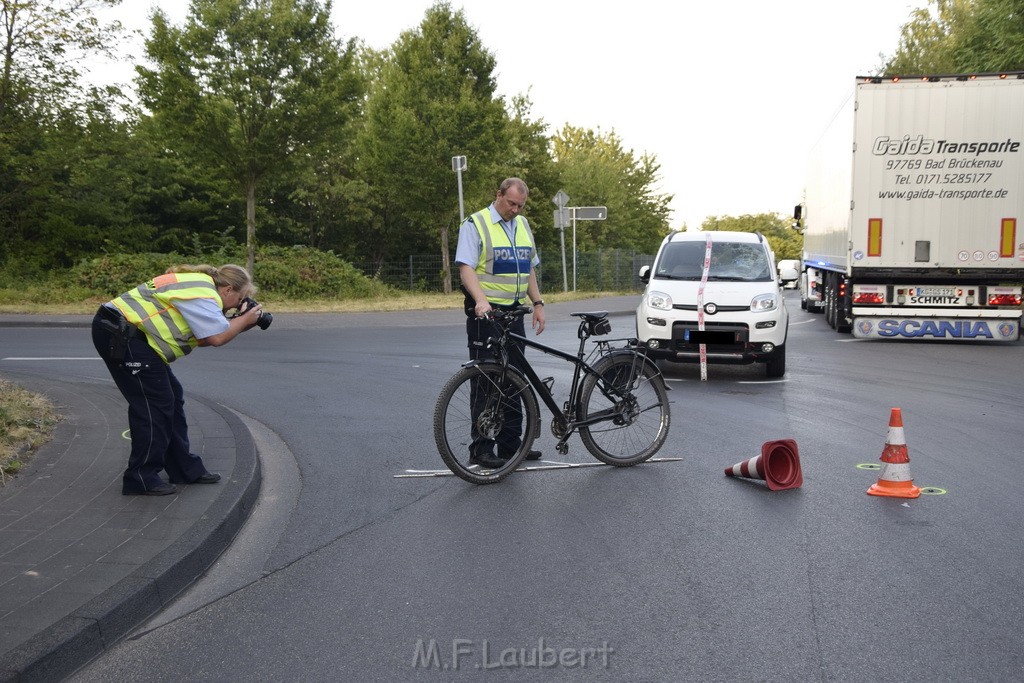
x,y
72,642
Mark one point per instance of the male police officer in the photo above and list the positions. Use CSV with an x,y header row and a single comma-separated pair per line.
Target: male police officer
x,y
497,256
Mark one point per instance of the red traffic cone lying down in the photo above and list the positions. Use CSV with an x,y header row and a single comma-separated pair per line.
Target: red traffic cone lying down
x,y
895,480
778,465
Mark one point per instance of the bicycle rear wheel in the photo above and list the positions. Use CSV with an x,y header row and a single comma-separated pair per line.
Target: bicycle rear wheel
x,y
500,395
631,394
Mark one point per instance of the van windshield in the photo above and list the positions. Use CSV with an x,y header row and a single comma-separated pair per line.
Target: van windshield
x,y
739,261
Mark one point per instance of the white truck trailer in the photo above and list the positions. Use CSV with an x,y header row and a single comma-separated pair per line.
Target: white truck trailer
x,y
912,215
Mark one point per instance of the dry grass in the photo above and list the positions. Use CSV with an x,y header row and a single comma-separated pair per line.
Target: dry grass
x,y
401,302
26,423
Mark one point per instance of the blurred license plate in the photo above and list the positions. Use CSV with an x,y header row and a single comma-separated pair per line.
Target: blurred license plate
x,y
935,291
709,337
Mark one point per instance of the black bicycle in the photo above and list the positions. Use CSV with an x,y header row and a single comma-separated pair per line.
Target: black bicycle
x,y
618,401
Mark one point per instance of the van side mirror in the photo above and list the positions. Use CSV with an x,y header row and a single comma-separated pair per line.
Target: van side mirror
x,y
644,274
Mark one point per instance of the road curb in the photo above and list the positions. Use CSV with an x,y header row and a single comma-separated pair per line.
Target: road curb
x,y
75,640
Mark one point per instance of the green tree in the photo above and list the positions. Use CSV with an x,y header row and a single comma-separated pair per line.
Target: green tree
x,y
994,38
961,36
529,157
52,127
434,99
42,43
249,88
785,242
595,170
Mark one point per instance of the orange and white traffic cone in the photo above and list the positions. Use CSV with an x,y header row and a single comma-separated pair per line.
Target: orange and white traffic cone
x,y
895,480
778,465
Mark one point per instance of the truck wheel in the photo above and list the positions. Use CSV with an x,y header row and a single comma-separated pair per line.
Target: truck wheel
x,y
833,301
828,301
776,365
842,326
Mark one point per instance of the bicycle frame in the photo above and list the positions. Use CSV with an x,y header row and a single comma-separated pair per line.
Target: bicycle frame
x,y
564,419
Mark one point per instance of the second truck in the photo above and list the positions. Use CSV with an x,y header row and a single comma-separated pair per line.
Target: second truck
x,y
912,215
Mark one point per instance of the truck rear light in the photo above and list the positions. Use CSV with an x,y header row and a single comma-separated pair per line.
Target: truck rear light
x,y
1004,300
868,298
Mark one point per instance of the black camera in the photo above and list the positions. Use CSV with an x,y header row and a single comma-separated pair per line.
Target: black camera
x,y
265,317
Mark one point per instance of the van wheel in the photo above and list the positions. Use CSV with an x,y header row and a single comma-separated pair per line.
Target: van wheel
x,y
776,365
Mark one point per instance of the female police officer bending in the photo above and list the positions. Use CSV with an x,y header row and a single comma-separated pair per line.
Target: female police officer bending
x,y
139,334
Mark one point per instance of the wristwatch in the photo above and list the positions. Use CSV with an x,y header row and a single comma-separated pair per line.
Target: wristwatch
x,y
538,302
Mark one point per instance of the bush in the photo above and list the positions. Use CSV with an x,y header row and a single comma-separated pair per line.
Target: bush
x,y
287,273
114,274
304,273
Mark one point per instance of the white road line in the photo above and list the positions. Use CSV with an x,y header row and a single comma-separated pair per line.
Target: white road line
x,y
53,358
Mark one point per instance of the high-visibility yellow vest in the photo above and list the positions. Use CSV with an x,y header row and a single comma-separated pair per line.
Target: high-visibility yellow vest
x,y
504,268
150,306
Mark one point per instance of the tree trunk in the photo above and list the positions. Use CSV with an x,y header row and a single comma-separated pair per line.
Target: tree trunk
x,y
446,266
250,225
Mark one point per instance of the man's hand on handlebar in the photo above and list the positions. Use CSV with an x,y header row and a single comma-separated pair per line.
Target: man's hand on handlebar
x,y
483,308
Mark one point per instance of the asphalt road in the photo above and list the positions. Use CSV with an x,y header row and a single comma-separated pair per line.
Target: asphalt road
x,y
666,571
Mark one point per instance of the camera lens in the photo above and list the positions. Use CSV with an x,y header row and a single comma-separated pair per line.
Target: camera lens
x,y
264,320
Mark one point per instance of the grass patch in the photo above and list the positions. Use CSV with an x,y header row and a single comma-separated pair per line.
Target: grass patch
x,y
26,423
394,301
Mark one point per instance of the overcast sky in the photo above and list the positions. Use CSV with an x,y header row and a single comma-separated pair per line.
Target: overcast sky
x,y
728,96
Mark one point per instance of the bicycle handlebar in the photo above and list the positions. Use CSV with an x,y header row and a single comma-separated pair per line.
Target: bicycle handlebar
x,y
507,315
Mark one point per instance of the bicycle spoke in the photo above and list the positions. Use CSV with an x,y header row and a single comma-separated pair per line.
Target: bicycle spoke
x,y
478,407
632,406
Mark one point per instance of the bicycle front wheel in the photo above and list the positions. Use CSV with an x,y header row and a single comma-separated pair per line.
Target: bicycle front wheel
x,y
482,408
629,398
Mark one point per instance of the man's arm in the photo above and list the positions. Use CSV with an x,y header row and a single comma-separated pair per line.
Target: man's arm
x,y
533,291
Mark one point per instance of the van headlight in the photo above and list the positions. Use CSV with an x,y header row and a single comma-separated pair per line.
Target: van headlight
x,y
762,303
659,300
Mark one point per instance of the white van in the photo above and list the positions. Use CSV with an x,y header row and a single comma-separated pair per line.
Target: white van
x,y
731,277
789,263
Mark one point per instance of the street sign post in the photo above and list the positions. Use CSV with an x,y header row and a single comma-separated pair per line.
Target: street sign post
x,y
459,165
562,219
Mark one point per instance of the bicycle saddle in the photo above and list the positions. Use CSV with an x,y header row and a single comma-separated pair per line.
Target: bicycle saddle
x,y
591,317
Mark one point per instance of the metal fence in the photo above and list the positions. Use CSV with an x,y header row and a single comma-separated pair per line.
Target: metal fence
x,y
613,270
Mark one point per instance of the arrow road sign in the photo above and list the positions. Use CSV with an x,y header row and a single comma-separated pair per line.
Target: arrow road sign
x,y
591,213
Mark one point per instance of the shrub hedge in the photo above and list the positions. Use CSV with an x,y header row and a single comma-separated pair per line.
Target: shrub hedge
x,y
285,272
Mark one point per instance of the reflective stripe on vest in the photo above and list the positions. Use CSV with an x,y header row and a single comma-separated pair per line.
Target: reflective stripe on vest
x,y
150,306
503,269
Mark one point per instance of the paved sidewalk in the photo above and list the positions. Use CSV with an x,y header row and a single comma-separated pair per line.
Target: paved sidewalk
x,y
82,565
